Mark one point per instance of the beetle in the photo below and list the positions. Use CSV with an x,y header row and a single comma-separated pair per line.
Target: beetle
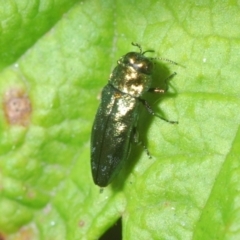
x,y
116,118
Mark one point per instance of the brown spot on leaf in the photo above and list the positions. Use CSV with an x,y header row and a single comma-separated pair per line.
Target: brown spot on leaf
x,y
17,107
81,223
26,233
2,237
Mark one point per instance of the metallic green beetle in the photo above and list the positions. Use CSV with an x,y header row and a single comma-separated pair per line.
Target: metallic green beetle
x,y
117,115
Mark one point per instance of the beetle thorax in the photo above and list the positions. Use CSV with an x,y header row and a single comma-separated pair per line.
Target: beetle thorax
x,y
128,76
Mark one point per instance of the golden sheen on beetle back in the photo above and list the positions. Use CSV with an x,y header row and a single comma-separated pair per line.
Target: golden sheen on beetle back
x,y
132,75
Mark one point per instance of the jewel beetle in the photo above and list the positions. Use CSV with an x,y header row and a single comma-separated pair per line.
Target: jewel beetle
x,y
117,115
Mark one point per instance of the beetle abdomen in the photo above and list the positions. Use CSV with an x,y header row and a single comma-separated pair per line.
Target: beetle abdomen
x,y
111,133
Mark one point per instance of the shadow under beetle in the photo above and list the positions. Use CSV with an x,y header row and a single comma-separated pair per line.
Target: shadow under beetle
x,y
117,115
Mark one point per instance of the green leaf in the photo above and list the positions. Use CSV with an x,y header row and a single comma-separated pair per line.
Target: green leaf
x,y
24,22
55,59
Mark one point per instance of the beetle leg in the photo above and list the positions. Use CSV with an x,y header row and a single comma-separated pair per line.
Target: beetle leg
x,y
149,109
135,135
159,90
156,90
136,139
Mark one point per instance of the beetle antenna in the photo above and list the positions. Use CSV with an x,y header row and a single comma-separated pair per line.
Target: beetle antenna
x,y
168,60
137,45
156,58
164,59
140,48
147,51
